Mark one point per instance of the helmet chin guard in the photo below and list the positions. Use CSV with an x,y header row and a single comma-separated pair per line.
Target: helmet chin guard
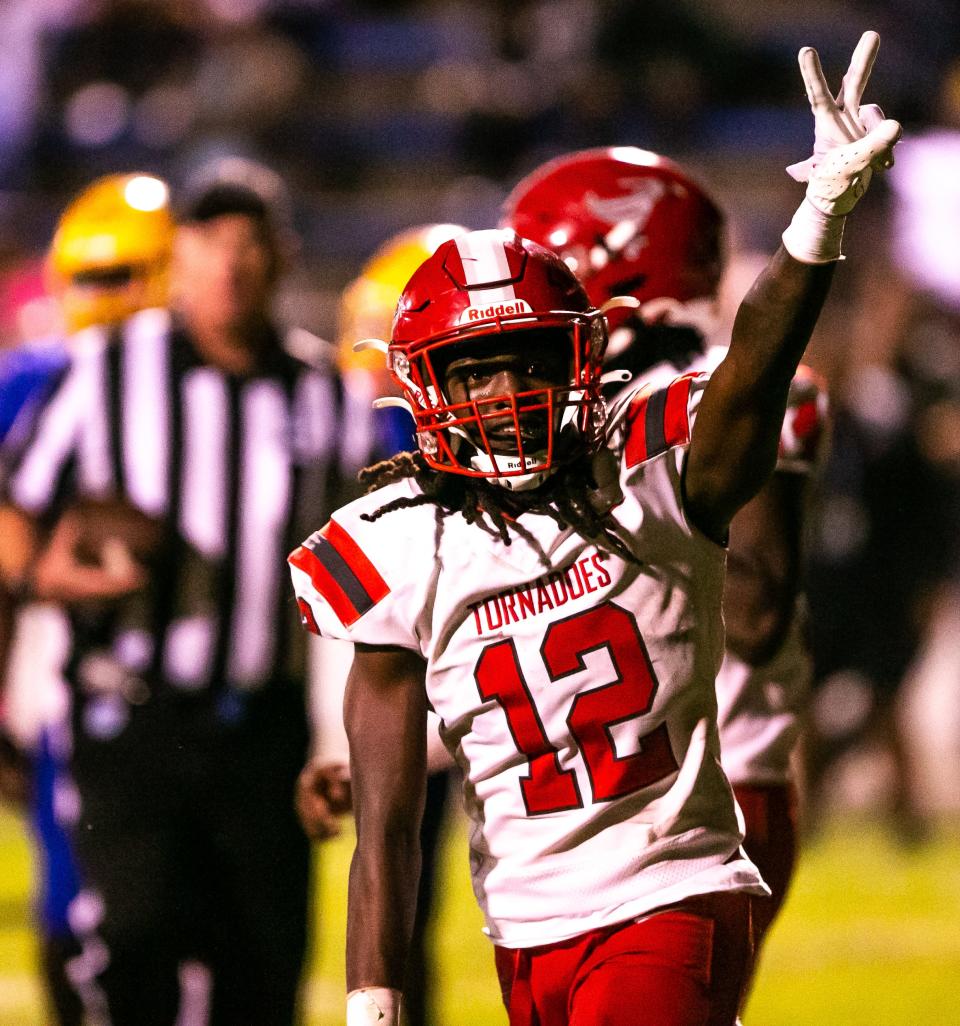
x,y
513,471
493,290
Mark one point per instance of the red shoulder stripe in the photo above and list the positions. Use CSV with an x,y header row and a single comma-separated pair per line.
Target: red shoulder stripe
x,y
636,448
340,572
306,616
676,419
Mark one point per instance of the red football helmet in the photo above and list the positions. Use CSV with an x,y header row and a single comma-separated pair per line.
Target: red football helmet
x,y
475,287
626,222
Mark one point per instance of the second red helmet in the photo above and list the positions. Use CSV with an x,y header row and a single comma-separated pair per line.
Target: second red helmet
x,y
626,221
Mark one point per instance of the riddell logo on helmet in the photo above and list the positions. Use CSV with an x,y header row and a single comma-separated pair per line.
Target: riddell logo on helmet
x,y
486,313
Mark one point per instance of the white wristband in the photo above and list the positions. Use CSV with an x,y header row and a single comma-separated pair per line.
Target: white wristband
x,y
373,1006
813,237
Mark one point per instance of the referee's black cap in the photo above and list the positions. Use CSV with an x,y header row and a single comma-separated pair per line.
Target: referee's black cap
x,y
236,185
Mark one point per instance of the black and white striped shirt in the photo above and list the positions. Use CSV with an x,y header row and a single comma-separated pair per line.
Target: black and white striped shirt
x,y
236,469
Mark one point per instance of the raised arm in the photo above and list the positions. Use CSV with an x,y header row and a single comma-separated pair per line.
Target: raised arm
x,y
734,443
385,711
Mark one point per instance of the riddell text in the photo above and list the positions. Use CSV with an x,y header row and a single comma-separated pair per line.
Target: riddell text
x,y
483,313
586,575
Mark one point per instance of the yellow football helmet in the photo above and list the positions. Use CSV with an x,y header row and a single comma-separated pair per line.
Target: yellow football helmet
x,y
110,255
368,303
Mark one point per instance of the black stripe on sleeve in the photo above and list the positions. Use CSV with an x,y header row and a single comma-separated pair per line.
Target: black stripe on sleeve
x,y
340,571
653,424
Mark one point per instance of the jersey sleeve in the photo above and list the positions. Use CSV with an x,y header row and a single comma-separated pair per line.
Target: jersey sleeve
x,y
652,431
653,421
804,432
353,581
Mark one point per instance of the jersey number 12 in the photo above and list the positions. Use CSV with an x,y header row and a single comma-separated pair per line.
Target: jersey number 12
x,y
546,787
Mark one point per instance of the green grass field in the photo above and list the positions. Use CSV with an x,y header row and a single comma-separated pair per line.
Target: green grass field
x,y
870,937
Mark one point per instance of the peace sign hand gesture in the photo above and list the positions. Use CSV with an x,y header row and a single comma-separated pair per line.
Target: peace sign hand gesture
x,y
850,141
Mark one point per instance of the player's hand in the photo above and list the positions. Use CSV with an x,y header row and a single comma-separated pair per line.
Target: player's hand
x,y
63,573
851,141
323,796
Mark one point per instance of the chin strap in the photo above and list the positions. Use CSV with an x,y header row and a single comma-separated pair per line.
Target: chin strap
x,y
386,402
481,462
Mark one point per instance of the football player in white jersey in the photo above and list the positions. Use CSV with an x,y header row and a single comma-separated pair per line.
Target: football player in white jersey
x,y
632,222
549,582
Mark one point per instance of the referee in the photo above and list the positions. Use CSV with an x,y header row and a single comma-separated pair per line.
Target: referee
x,y
181,458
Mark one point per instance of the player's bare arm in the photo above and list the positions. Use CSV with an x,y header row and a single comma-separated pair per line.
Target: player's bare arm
x,y
385,714
734,443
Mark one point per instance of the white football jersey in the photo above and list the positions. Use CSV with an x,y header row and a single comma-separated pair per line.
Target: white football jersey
x,y
574,688
760,706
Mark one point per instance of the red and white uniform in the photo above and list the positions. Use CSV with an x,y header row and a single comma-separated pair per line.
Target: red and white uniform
x,y
575,689
759,707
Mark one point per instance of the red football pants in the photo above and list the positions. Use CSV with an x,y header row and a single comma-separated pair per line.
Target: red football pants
x,y
684,966
771,842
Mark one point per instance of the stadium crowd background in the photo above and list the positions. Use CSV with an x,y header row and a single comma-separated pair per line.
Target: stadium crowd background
x,y
391,113
385,114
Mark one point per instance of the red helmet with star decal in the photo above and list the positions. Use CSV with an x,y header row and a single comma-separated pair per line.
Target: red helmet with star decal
x,y
626,221
494,289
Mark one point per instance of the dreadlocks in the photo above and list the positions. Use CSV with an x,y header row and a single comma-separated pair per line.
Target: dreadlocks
x,y
565,497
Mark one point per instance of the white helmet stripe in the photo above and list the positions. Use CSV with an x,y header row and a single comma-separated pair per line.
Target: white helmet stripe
x,y
484,259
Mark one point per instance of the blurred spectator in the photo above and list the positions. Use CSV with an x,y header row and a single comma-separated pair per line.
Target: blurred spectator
x,y
886,545
378,110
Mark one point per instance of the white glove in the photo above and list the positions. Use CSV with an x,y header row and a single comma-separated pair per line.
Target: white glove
x,y
373,1006
850,143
